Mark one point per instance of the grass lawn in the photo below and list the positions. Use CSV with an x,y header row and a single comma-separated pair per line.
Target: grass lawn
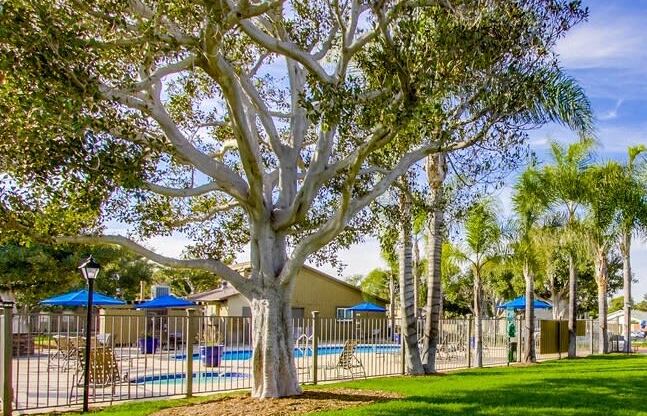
x,y
610,385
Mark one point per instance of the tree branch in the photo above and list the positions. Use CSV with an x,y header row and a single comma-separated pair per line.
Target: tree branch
x,y
210,265
182,192
287,49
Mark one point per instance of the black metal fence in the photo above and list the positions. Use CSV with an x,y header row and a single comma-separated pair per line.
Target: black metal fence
x,y
135,357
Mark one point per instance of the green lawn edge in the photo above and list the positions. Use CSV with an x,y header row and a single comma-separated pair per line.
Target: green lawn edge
x,y
614,384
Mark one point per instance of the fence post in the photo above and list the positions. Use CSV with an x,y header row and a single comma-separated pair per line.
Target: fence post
x,y
591,335
403,355
7,347
519,340
190,339
315,346
469,341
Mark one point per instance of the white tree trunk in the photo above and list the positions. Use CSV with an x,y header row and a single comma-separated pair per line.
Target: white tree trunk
x,y
529,348
274,373
413,363
478,319
273,370
625,249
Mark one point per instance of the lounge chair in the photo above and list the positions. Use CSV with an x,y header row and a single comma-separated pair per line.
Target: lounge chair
x,y
104,370
348,360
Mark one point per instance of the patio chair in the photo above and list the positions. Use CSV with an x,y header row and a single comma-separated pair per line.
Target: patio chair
x,y
104,370
67,349
349,361
104,339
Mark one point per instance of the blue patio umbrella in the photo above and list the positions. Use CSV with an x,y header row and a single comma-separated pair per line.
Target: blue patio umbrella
x,y
80,298
367,307
520,303
166,302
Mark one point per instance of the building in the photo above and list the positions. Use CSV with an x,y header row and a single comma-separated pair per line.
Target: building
x,y
638,321
313,291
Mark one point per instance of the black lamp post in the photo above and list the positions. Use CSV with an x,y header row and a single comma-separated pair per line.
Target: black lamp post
x,y
90,269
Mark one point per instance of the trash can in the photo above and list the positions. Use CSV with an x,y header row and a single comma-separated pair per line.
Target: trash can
x,y
210,355
148,345
512,354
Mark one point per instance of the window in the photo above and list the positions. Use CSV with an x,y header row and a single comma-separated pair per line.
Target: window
x,y
344,314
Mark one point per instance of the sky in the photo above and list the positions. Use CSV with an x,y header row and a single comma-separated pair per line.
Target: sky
x,y
608,56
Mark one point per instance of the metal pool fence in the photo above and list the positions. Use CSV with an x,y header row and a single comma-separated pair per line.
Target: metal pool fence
x,y
159,355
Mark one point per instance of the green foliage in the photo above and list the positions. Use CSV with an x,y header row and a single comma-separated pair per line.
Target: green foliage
x,y
35,272
185,282
376,283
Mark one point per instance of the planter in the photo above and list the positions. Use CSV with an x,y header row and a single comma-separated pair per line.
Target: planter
x,y
148,345
210,355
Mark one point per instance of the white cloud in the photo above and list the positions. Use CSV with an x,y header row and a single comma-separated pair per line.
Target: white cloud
x,y
607,40
359,259
613,113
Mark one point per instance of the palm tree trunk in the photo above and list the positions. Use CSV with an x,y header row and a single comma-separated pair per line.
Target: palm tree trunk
x,y
478,319
413,363
436,172
572,307
392,303
601,278
625,249
414,272
529,348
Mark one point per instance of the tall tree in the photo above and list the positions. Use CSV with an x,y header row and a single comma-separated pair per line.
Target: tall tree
x,y
480,250
408,319
632,221
604,185
166,116
436,174
566,187
529,201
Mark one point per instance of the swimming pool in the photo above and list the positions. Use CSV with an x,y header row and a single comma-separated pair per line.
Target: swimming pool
x,y
178,378
246,353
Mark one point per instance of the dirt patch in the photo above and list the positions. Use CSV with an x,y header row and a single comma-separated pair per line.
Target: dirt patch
x,y
309,401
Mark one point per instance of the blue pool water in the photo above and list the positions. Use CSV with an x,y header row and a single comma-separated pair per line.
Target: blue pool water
x,y
178,378
246,353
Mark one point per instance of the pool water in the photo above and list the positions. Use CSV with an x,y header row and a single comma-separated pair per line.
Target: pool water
x,y
246,353
178,378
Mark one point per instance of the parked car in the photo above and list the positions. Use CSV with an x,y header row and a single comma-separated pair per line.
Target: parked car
x,y
638,335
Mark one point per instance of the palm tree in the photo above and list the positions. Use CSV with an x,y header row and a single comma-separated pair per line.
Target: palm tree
x,y
436,173
562,100
605,186
481,249
632,220
566,190
408,308
529,201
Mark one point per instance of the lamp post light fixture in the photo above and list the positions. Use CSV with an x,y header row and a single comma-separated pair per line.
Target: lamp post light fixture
x,y
90,269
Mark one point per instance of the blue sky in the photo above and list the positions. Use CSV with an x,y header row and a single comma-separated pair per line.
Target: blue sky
x,y
608,56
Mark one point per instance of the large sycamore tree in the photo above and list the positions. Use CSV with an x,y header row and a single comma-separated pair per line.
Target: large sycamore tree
x,y
250,123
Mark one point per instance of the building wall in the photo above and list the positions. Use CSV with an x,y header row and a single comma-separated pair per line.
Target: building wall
x,y
315,292
127,324
312,292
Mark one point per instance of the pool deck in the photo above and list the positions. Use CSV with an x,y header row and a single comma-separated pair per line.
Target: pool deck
x,y
44,381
